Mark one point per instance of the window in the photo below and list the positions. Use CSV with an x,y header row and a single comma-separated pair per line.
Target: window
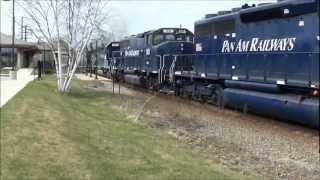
x,y
169,37
223,27
262,15
124,43
180,37
189,39
157,39
216,28
150,39
202,29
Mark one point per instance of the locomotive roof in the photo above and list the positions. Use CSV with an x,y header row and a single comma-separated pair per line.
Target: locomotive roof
x,y
141,35
261,7
160,30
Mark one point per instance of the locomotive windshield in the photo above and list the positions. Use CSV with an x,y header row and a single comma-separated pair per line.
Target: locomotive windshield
x,y
163,35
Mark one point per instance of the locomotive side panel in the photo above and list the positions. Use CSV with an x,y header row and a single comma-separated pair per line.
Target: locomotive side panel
x,y
278,49
261,59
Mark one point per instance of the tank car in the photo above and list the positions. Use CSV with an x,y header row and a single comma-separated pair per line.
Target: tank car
x,y
262,59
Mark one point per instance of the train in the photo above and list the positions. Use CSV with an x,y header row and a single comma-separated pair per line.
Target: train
x,y
262,59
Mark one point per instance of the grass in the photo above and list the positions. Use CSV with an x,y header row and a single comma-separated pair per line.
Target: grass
x,y
81,136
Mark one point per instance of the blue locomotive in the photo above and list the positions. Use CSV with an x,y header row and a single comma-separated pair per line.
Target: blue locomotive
x,y
262,59
146,59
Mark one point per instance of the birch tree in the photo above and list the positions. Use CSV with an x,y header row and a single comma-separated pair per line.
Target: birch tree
x,y
65,25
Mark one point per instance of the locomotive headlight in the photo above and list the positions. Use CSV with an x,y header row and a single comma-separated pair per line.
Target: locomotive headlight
x,y
168,31
147,52
286,11
115,45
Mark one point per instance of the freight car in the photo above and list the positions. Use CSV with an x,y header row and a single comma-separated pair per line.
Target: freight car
x,y
262,59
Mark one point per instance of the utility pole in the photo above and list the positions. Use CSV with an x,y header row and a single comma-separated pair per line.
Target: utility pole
x,y
13,36
96,68
87,57
91,50
22,26
25,32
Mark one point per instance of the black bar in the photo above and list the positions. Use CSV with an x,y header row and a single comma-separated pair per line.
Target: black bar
x,y
25,32
310,70
13,36
286,70
247,68
265,68
96,68
22,28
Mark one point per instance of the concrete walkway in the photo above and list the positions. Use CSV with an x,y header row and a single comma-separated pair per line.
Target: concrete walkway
x,y
9,88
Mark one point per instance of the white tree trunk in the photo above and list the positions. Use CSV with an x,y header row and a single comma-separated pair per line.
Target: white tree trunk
x,y
65,26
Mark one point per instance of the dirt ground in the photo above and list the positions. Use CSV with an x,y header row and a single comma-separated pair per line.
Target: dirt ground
x,y
246,143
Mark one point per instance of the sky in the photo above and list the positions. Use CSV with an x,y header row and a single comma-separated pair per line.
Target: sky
x,y
138,16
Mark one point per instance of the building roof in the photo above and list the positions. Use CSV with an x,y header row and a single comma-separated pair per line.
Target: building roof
x,y
6,42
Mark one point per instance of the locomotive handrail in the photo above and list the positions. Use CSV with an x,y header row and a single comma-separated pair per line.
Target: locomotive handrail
x,y
163,64
171,71
159,76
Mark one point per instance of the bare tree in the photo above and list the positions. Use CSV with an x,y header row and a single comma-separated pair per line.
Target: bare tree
x,y
65,25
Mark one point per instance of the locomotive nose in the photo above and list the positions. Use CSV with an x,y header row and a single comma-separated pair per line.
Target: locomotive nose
x,y
186,47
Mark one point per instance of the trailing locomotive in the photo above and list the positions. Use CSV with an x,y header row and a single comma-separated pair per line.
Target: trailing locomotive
x,y
262,59
146,59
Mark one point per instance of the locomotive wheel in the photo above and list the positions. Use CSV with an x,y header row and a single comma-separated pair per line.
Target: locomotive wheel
x,y
152,84
217,96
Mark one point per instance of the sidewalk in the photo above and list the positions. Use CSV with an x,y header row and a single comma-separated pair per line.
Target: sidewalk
x,y
9,88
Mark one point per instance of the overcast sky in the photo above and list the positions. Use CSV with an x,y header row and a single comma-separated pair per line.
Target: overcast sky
x,y
140,16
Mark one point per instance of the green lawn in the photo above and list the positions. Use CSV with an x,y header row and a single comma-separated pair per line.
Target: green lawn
x,y
48,136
